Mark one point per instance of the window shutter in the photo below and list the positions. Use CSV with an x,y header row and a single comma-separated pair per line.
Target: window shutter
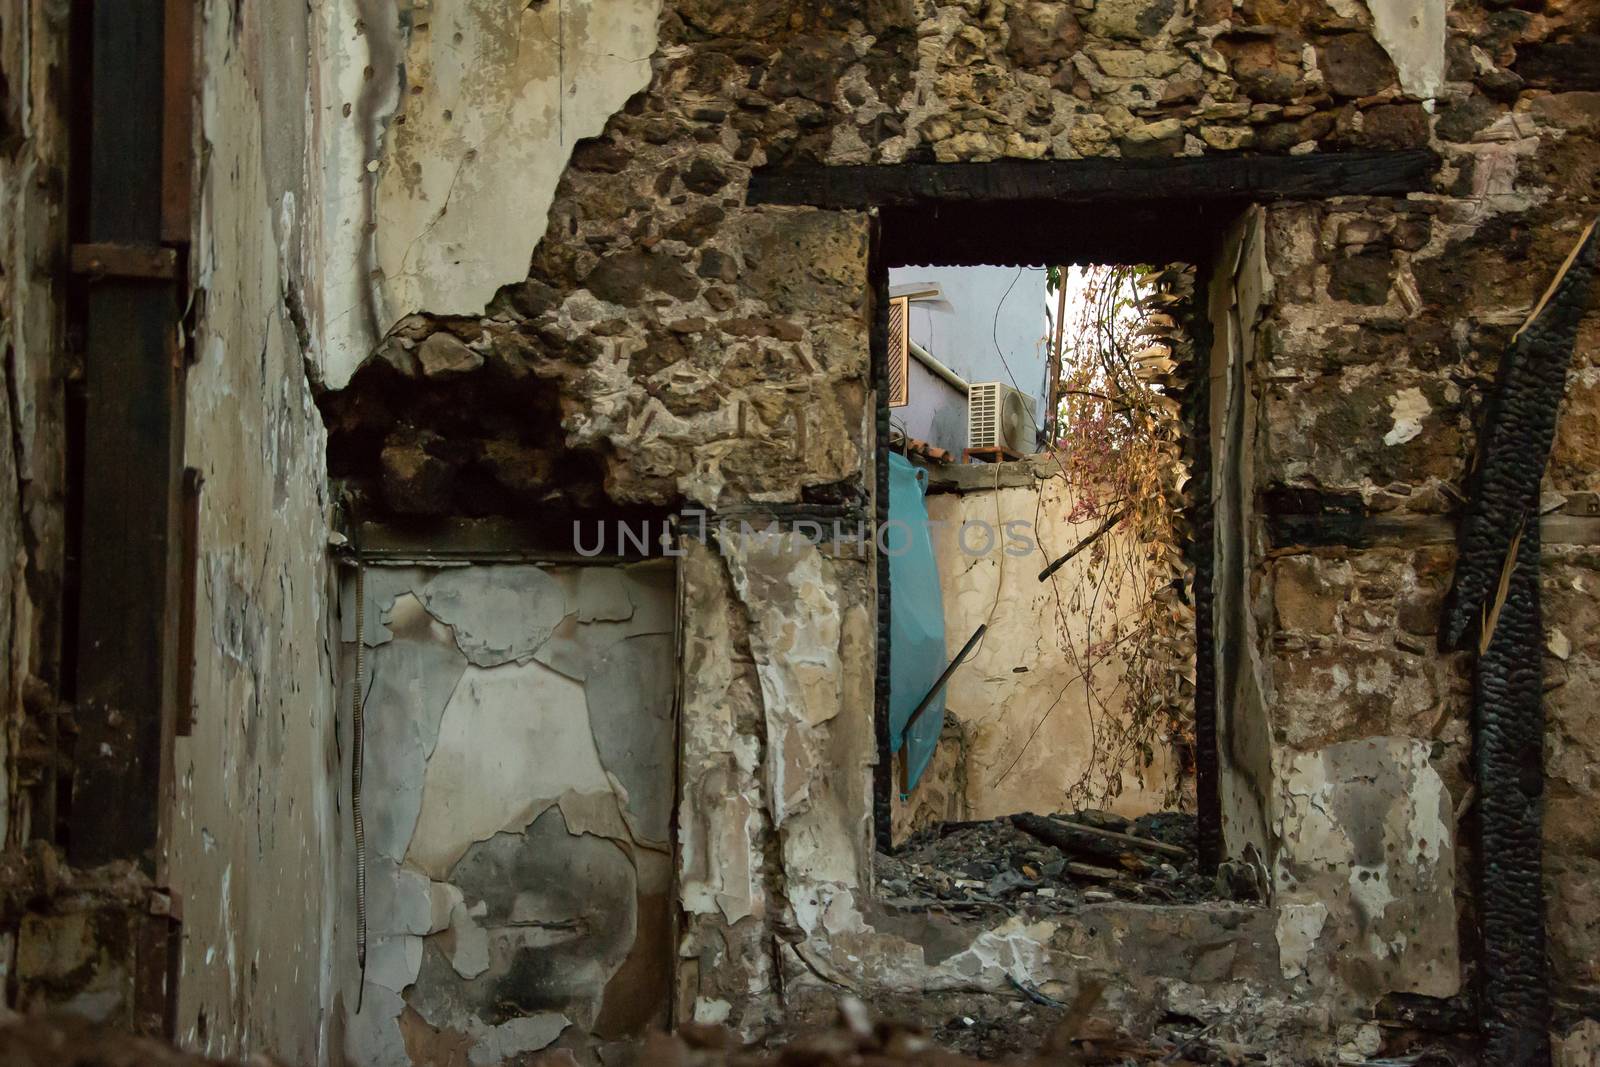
x,y
899,351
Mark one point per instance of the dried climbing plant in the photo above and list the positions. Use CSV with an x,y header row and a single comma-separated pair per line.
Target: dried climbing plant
x,y
1125,621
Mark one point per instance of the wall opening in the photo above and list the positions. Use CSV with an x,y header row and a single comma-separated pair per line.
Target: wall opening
x,y
1040,411
1026,232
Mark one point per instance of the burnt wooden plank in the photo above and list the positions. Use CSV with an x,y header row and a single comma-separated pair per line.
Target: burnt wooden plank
x,y
125,122
130,452
1184,179
1342,530
1294,533
1563,66
131,455
883,777
1194,397
157,952
177,151
495,540
188,591
1081,839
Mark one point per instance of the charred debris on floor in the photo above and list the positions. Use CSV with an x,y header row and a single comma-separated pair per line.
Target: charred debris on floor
x,y
1050,864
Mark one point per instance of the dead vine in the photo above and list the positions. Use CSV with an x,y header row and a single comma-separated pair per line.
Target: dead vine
x,y
1125,624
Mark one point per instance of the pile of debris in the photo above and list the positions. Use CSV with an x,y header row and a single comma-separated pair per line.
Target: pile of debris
x,y
1078,1039
66,1041
1047,864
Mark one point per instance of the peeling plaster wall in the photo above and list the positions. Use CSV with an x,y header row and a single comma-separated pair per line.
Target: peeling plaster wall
x,y
775,810
33,45
774,827
497,96
1413,35
1031,720
443,121
1239,284
254,829
1365,831
518,796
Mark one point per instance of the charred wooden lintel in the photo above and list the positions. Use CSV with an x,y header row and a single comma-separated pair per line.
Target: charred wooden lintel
x,y
883,769
1293,533
1187,179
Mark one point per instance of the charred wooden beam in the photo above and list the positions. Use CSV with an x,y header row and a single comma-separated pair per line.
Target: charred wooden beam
x,y
1029,232
1201,548
883,770
1514,446
1494,608
1298,533
131,458
1563,66
1182,180
1084,840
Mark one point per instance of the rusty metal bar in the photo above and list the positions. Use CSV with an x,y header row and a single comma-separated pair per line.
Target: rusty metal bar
x,y
188,589
177,121
109,259
944,675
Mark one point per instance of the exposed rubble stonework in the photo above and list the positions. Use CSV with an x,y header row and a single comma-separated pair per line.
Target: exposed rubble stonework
x,y
476,258
441,121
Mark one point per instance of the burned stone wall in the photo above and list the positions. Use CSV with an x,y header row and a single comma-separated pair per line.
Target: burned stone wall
x,y
711,355
699,350
1374,388
670,344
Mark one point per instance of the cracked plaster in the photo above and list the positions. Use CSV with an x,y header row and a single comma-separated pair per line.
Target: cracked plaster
x,y
1366,830
513,809
1026,712
444,121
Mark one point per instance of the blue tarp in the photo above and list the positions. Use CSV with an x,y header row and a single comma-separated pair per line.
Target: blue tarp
x,y
916,618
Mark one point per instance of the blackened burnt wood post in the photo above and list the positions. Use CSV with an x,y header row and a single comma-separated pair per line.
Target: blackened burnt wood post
x,y
1493,608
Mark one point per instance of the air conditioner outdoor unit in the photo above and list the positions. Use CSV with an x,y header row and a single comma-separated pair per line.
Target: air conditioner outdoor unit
x,y
998,416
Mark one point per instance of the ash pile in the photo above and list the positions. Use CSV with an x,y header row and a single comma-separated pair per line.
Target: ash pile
x,y
1045,864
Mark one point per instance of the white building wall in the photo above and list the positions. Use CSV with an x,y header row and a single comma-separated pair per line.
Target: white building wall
x,y
989,327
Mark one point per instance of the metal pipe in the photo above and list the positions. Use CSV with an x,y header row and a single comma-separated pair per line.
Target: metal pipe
x,y
966,650
929,360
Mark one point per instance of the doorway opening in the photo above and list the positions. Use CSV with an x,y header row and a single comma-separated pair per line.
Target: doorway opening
x,y
1051,418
